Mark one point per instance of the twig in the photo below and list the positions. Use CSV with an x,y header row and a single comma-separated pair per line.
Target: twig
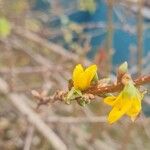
x,y
44,99
25,70
140,36
96,90
109,36
33,118
28,140
99,119
19,102
44,43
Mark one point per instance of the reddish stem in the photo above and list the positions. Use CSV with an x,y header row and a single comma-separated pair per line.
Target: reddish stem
x,y
96,90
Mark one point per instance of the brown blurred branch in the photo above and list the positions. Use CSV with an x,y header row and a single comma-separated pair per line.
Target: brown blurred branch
x,y
98,119
140,36
29,137
26,70
19,102
36,121
23,33
109,36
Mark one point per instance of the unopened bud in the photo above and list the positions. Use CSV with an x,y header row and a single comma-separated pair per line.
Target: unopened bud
x,y
123,68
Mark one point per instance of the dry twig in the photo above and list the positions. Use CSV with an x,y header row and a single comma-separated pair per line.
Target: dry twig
x,y
19,102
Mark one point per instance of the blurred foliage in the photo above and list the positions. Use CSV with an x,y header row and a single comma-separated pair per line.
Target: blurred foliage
x,y
19,5
74,37
13,7
32,24
5,27
87,5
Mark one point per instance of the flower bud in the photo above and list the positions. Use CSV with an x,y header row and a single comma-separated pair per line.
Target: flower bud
x,y
123,68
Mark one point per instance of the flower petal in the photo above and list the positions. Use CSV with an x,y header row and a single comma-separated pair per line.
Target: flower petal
x,y
114,115
135,108
90,73
110,100
77,71
119,110
82,82
76,75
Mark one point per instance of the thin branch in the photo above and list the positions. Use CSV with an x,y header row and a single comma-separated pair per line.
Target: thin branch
x,y
96,90
33,118
109,36
44,43
25,70
19,102
140,36
29,137
99,119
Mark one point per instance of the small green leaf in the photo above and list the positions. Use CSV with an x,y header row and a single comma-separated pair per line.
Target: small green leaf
x,y
95,79
82,101
78,92
72,95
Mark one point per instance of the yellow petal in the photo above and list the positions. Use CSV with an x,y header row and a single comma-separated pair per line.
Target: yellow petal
x,y
114,115
135,108
76,75
82,82
77,71
90,73
118,102
119,110
110,100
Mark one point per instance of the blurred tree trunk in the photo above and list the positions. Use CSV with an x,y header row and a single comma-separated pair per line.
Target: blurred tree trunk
x,y
140,36
109,42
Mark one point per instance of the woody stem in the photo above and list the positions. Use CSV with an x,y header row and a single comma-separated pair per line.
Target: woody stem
x,y
100,90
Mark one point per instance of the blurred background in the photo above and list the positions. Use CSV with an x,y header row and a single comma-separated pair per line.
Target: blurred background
x,y
40,43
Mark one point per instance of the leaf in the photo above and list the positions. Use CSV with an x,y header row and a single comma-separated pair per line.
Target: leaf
x,y
95,78
83,102
72,95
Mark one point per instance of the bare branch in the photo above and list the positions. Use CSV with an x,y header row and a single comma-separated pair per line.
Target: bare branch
x,y
19,102
99,119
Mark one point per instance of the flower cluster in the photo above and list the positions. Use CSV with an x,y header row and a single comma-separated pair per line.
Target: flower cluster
x,y
82,79
127,102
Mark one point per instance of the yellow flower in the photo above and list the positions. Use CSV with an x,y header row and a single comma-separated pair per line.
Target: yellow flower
x,y
127,102
82,78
